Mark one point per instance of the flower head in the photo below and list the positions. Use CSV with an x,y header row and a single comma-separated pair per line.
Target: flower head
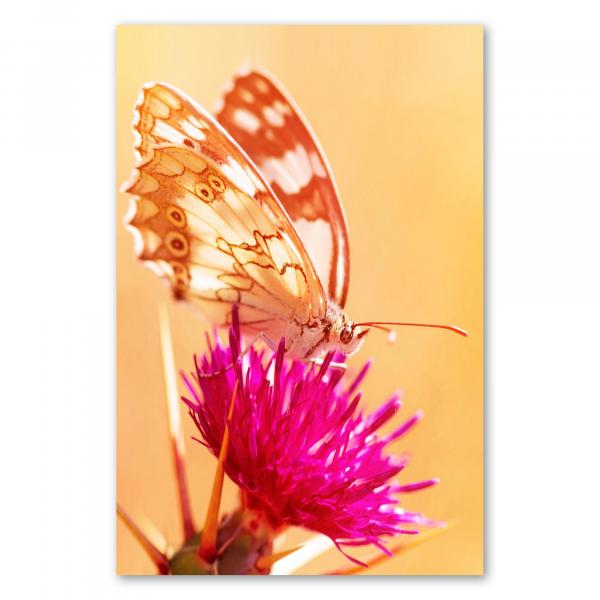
x,y
300,448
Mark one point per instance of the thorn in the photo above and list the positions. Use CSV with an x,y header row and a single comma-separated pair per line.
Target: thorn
x,y
155,555
208,542
400,548
264,563
174,418
314,547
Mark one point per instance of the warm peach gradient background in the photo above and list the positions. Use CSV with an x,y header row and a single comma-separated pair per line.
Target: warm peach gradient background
x,y
399,112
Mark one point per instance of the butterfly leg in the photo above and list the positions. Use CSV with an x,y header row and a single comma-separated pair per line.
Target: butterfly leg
x,y
267,340
259,336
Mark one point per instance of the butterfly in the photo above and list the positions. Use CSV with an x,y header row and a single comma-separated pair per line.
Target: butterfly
x,y
243,209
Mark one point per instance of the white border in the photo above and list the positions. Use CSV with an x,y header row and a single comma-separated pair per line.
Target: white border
x,y
543,296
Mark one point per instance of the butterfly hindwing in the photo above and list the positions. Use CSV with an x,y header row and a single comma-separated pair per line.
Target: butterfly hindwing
x,y
264,120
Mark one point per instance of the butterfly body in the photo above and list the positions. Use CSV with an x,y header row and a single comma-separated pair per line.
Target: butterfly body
x,y
333,331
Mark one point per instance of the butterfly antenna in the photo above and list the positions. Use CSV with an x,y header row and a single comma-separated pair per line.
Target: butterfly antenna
x,y
381,325
391,333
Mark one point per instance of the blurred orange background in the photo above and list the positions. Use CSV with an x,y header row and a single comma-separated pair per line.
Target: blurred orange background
x,y
399,112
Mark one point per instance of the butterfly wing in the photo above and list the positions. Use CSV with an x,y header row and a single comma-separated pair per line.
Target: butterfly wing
x,y
271,129
205,220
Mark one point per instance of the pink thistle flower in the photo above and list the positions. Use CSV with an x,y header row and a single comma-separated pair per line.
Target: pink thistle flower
x,y
300,448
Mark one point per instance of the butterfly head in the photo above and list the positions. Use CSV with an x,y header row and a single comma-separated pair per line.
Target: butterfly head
x,y
351,337
339,332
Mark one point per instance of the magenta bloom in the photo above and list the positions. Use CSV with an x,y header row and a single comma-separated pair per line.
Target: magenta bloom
x,y
300,448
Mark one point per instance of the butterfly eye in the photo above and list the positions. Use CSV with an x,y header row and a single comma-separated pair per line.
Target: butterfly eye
x,y
205,192
216,184
176,243
346,335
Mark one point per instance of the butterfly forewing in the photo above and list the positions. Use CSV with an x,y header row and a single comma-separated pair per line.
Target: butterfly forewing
x,y
206,220
271,129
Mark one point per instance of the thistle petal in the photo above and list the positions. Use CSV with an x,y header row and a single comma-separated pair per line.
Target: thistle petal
x,y
395,551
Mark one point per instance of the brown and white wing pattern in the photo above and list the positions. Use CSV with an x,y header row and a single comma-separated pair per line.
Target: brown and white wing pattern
x,y
264,120
205,220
